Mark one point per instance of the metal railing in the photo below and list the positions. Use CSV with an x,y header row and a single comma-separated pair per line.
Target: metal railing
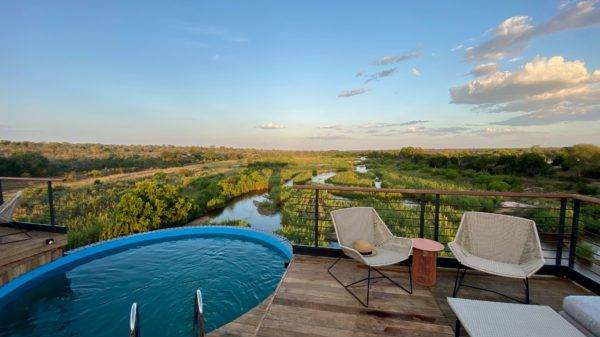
x,y
43,209
568,224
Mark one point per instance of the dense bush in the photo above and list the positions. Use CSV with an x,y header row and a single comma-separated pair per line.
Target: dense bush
x,y
24,164
150,205
350,178
584,159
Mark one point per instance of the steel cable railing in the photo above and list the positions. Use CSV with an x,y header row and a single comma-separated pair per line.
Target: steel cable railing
x,y
568,224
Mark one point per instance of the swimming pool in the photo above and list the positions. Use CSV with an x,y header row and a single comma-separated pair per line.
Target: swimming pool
x,y
89,292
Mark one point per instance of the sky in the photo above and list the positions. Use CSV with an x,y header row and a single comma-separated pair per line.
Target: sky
x,y
308,75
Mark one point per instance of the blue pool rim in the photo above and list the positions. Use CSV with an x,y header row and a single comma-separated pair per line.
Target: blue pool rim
x,y
13,289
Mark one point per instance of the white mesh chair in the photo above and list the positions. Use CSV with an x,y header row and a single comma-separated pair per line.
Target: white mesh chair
x,y
363,223
497,244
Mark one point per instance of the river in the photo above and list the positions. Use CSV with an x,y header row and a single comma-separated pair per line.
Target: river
x,y
363,169
244,208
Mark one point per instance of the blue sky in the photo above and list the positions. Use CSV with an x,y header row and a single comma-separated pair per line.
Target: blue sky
x,y
303,75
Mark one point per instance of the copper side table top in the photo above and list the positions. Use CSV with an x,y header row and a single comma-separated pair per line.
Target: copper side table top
x,y
427,245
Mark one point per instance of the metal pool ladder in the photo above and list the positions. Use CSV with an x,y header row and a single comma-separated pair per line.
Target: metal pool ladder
x,y
199,315
134,318
134,322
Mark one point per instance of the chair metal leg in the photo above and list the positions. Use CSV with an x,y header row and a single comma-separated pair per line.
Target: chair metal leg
x,y
368,284
455,290
458,282
368,279
457,328
396,283
526,290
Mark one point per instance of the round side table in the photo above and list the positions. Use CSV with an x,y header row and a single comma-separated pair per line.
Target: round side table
x,y
424,261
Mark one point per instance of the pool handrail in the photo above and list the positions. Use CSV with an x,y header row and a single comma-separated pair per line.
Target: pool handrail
x,y
199,315
134,325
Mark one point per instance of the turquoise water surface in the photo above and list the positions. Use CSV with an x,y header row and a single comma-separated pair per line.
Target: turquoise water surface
x,y
93,299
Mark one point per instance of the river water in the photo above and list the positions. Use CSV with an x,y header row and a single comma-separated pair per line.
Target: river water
x,y
244,208
363,169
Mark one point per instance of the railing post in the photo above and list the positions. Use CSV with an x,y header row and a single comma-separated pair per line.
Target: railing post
x,y
574,232
1,194
422,217
51,202
436,219
561,231
316,217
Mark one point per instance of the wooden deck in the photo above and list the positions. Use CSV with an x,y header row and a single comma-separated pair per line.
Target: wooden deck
x,y
309,303
22,250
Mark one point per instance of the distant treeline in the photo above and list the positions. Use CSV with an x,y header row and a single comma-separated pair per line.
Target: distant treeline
x,y
583,160
35,159
60,159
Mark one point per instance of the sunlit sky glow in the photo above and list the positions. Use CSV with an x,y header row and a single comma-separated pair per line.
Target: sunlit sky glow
x,y
303,75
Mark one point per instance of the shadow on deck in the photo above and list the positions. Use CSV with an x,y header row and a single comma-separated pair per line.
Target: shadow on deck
x,y
309,303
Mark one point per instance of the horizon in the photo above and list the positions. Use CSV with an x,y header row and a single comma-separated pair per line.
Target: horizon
x,y
315,76
301,150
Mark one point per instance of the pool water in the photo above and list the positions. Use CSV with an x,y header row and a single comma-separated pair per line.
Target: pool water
x,y
94,299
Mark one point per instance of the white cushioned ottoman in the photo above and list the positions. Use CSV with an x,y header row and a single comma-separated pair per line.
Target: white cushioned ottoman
x,y
583,312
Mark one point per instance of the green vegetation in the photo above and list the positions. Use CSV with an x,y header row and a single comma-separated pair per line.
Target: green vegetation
x,y
585,251
118,190
149,205
350,178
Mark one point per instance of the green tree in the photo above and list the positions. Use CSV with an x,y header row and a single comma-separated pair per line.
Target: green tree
x,y
32,164
584,159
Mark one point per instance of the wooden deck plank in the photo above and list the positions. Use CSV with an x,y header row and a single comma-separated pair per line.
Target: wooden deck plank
x,y
18,257
310,303
245,325
15,251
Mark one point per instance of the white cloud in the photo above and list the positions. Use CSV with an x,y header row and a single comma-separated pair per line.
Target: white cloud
x,y
547,90
485,69
360,73
514,34
509,38
437,131
416,72
536,77
390,59
353,92
380,125
271,126
458,47
329,137
331,127
381,74
413,122
558,114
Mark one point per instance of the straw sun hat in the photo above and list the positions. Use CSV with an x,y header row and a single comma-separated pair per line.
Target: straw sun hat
x,y
363,247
